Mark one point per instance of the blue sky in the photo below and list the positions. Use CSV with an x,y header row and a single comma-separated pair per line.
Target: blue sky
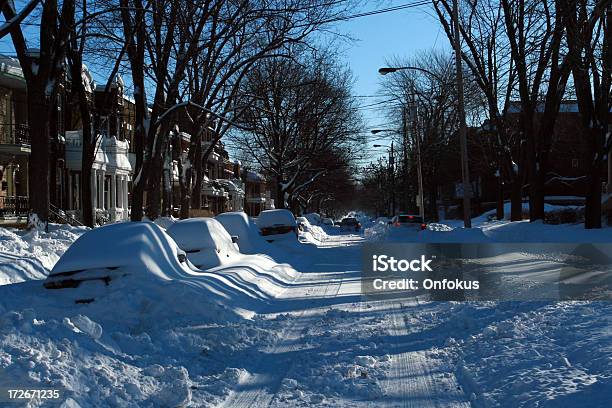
x,y
380,37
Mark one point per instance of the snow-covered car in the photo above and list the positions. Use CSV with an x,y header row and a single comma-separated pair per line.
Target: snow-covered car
x,y
303,224
276,224
107,253
414,222
350,224
327,221
204,240
313,218
242,226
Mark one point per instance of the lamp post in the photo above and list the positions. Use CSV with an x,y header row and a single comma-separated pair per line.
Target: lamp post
x,y
392,173
467,212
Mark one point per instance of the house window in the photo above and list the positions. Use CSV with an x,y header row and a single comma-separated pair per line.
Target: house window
x,y
574,163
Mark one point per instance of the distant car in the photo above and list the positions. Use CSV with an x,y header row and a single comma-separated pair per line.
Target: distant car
x,y
327,221
351,224
410,221
204,240
276,224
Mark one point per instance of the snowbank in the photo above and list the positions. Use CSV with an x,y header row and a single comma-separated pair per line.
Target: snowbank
x,y
141,327
26,255
491,231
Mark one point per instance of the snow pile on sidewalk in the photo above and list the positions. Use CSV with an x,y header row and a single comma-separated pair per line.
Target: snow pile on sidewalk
x,y
452,231
26,255
142,328
538,354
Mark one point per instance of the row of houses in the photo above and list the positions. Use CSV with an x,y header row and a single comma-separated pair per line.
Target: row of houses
x,y
569,161
226,187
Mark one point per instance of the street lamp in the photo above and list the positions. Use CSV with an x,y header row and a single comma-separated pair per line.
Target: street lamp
x,y
467,212
392,171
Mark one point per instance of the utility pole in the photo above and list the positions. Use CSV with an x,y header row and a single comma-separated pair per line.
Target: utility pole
x,y
465,172
406,193
417,139
392,169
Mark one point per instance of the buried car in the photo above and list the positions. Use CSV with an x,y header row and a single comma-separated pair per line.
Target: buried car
x,y
106,253
276,224
205,241
239,224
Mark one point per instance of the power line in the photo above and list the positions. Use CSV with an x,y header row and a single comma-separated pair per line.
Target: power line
x,y
325,21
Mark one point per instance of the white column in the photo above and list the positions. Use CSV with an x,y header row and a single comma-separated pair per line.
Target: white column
x,y
125,193
120,191
102,201
113,192
94,188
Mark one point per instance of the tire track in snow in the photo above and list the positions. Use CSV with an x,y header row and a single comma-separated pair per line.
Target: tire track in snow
x,y
416,379
260,388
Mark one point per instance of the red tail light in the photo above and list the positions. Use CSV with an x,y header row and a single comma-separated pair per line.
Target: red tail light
x,y
423,226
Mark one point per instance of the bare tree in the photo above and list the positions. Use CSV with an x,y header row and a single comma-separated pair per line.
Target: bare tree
x,y
589,32
300,110
18,17
428,96
487,55
239,34
42,70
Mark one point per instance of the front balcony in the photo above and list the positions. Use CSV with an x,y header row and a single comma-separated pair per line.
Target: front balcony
x,y
15,138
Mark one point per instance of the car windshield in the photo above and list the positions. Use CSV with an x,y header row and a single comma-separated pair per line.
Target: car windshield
x,y
349,221
410,219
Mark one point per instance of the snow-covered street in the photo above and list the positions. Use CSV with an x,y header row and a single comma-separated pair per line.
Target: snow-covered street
x,y
293,329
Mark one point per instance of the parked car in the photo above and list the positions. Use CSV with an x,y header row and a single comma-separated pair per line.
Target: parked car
x,y
205,241
106,254
350,224
414,222
276,224
242,226
327,221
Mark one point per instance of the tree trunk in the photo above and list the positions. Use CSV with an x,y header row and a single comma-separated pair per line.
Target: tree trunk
x,y
153,209
53,156
38,177
196,196
592,214
516,200
593,207
499,210
280,194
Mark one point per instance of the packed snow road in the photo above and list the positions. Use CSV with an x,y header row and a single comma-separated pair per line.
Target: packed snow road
x,y
289,328
336,349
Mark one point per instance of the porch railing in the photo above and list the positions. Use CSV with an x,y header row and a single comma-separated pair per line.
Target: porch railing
x,y
14,206
16,134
